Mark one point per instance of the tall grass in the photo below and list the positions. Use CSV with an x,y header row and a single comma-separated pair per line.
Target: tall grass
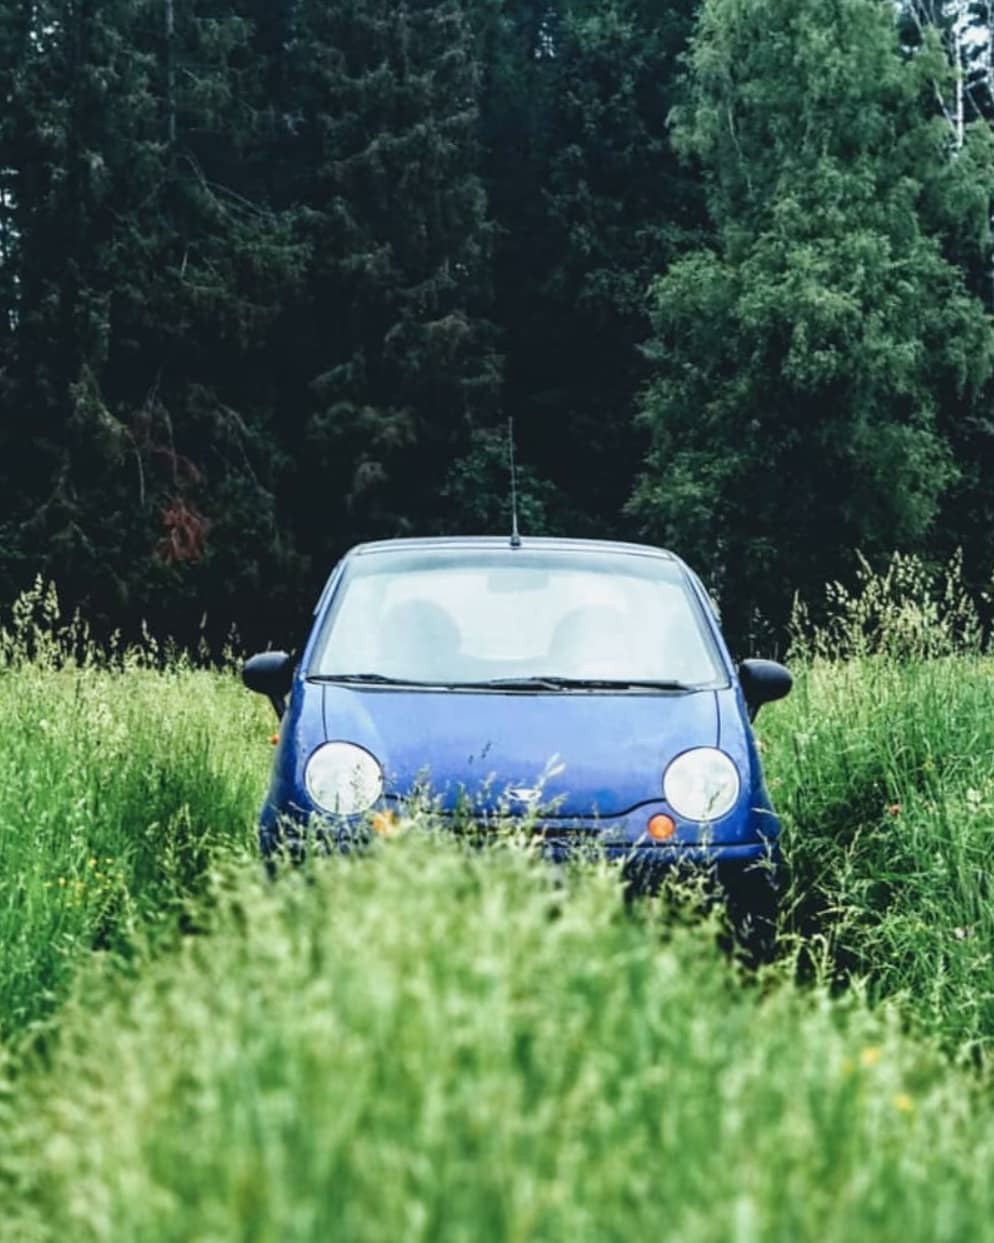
x,y
120,778
882,768
438,1045
444,1043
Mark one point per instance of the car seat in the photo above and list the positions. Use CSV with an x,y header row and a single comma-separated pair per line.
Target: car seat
x,y
591,641
419,640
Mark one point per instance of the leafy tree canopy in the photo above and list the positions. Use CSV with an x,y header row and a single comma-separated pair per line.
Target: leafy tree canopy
x,y
803,360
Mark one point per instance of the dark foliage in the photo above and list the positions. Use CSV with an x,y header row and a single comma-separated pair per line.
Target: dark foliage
x,y
273,274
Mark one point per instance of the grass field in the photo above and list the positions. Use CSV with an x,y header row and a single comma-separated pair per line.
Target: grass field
x,y
436,1044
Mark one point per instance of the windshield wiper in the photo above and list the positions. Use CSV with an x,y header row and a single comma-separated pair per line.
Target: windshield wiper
x,y
537,683
553,683
513,684
376,679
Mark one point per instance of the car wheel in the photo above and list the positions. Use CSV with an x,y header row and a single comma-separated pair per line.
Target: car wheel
x,y
752,901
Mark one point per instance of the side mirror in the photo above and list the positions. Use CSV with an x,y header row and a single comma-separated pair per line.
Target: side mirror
x,y
271,674
763,681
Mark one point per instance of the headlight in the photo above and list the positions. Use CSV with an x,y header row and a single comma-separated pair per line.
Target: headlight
x,y
343,779
702,784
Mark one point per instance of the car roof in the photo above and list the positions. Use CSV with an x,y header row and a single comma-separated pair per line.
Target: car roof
x,y
544,542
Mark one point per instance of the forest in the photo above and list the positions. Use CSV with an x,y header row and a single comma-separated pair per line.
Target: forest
x,y
276,274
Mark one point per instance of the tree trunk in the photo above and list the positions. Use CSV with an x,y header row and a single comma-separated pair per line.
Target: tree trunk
x,y
170,72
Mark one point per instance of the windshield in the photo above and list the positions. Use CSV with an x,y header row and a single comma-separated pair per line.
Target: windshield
x,y
458,616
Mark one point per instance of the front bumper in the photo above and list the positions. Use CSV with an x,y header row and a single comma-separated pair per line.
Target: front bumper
x,y
558,841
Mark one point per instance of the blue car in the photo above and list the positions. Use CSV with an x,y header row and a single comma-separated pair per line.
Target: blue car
x,y
584,683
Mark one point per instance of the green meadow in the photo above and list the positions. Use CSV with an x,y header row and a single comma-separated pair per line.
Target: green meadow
x,y
443,1043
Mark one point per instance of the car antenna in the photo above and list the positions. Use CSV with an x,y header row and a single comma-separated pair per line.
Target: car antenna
x,y
515,537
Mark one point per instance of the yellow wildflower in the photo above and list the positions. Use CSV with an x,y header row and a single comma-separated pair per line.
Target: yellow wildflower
x,y
388,824
870,1056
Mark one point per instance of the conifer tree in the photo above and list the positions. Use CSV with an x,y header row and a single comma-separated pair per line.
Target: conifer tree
x,y
78,99
592,203
146,280
391,342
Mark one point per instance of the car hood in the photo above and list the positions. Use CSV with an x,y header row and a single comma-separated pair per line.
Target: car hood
x,y
586,753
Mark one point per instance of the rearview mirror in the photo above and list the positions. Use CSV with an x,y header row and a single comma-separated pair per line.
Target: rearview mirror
x,y
270,674
763,681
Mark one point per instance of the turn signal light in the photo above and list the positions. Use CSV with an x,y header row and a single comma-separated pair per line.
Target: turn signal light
x,y
661,828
